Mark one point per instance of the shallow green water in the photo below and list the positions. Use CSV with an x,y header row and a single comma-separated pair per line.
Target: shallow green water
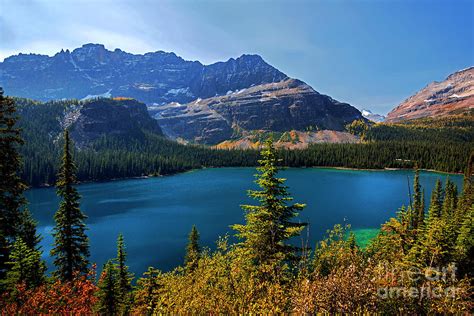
x,y
155,215
365,235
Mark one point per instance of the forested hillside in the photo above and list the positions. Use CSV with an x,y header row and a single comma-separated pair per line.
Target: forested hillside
x,y
110,156
454,129
444,146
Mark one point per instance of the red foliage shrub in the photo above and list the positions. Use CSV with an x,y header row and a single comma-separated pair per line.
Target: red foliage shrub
x,y
72,298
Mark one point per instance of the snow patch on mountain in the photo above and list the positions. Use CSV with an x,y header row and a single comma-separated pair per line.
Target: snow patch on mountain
x,y
181,91
377,118
95,96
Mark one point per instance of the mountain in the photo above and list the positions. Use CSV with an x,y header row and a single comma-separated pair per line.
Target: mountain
x,y
454,95
377,118
157,77
281,106
197,103
106,117
88,121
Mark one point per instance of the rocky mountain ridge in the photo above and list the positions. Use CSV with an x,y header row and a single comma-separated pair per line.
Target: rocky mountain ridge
x,y
452,96
282,106
205,104
156,77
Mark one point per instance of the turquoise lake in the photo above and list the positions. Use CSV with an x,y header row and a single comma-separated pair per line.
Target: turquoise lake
x,y
155,215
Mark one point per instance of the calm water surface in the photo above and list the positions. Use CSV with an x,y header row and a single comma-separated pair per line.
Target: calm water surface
x,y
155,215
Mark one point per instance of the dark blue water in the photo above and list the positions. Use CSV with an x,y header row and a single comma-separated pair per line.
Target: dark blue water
x,y
155,215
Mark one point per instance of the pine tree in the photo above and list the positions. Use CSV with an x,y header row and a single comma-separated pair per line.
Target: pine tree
x,y
25,266
467,198
124,282
12,200
464,224
108,293
27,229
436,203
268,225
440,234
192,250
71,247
450,200
417,202
147,287
465,244
421,211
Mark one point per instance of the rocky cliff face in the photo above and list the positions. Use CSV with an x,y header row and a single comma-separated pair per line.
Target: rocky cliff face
x,y
87,121
454,95
105,117
157,77
282,106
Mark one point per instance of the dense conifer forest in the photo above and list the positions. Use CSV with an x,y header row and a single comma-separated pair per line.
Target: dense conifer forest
x,y
443,146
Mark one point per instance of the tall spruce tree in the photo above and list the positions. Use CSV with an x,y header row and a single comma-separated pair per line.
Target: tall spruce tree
x,y
71,247
464,220
124,282
27,230
15,219
467,197
436,203
269,225
421,211
108,293
418,212
450,200
192,250
26,266
465,244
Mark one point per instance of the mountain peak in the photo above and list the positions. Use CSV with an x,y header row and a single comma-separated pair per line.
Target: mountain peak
x,y
368,114
454,95
90,48
93,46
155,77
63,52
466,71
255,57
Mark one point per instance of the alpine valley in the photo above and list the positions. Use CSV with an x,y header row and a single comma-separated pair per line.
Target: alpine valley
x,y
134,115
269,176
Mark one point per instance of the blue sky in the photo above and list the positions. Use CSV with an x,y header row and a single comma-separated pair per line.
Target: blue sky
x,y
371,53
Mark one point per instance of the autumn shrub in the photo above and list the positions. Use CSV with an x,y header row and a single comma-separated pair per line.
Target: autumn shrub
x,y
60,298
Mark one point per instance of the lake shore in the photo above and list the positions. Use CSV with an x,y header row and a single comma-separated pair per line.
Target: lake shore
x,y
391,169
203,168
